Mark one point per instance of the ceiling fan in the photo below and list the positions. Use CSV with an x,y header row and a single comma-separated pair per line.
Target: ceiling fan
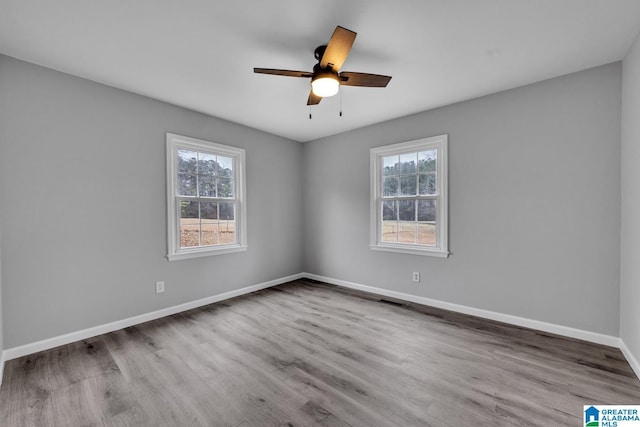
x,y
326,78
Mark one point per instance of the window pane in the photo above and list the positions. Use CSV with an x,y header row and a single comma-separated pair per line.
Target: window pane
x,y
189,209
390,211
227,231
427,183
390,231
208,211
407,210
406,232
389,221
209,232
390,186
225,166
189,224
427,161
209,223
427,210
408,163
226,211
408,185
186,184
187,161
225,187
426,234
227,225
206,186
427,222
390,165
206,164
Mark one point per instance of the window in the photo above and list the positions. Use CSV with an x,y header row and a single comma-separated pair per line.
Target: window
x,y
206,213
409,197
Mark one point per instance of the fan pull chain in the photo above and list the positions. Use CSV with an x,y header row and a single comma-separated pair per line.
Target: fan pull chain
x,y
309,112
340,103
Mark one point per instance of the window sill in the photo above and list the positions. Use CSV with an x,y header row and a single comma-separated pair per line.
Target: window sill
x,y
203,252
410,249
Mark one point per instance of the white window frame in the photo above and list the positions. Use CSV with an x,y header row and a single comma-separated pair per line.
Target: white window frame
x,y
439,143
175,252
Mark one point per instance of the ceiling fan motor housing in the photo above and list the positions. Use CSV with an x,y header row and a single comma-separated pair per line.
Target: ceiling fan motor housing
x,y
319,51
319,72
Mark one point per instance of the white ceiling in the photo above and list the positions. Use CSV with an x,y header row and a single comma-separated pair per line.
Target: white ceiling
x,y
200,54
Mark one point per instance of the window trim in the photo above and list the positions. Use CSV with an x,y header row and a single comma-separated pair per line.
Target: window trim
x,y
174,251
376,154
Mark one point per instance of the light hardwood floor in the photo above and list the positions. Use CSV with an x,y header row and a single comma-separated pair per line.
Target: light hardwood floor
x,y
307,353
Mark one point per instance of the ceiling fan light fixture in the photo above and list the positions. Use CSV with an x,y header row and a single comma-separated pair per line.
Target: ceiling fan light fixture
x,y
325,80
325,85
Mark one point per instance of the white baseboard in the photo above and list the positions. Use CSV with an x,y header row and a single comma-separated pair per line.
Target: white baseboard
x,y
23,350
630,358
1,366
492,315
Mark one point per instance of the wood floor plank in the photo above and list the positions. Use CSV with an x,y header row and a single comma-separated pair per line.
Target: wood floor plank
x,y
261,397
309,354
175,394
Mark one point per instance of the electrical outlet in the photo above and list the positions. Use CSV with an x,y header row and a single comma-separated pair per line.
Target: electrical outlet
x,y
416,276
159,287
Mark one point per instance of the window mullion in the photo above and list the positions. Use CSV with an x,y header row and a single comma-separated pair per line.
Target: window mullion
x,y
415,225
189,198
198,175
218,225
199,224
397,209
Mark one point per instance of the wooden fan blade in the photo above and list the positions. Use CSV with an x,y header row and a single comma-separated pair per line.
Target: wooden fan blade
x,y
288,73
338,48
313,99
348,78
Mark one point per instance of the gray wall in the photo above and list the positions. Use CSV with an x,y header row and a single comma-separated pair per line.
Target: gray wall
x,y
534,210
630,252
82,203
534,204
